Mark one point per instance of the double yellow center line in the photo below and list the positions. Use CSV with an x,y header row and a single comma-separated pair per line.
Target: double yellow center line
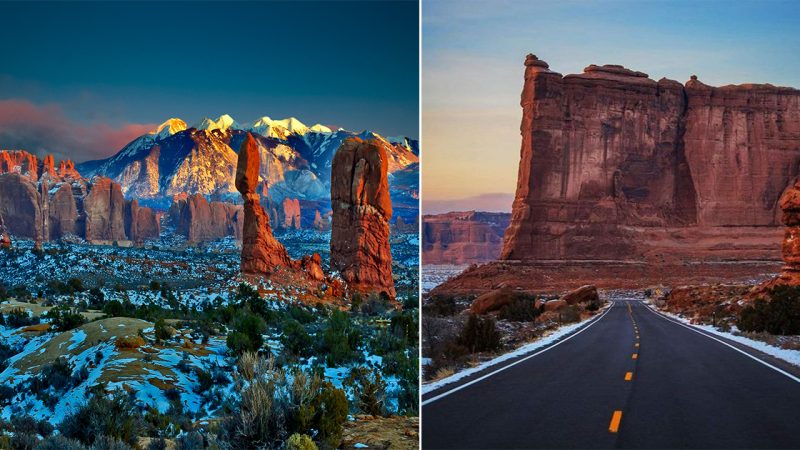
x,y
616,417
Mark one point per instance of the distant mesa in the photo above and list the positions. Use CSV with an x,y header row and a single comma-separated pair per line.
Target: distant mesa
x,y
463,237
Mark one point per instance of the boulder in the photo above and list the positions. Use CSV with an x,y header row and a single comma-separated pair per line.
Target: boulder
x,y
583,294
555,305
492,301
361,212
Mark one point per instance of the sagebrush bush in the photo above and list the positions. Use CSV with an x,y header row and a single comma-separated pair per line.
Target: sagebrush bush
x,y
522,308
368,389
479,334
64,319
246,334
58,442
780,315
113,417
340,339
295,338
300,442
272,406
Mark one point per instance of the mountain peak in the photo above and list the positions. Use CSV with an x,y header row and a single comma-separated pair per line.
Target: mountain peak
x,y
223,123
169,127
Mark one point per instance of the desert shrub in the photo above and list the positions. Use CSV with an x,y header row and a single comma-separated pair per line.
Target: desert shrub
x,y
58,442
246,334
340,339
300,442
157,444
56,375
23,441
6,352
26,424
569,314
272,407
301,315
103,418
522,308
19,317
247,297
368,389
162,331
7,393
405,326
109,443
440,305
405,365
190,441
479,334
114,309
375,304
64,319
780,315
295,338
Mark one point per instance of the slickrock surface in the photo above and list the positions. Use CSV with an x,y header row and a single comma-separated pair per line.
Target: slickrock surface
x,y
361,213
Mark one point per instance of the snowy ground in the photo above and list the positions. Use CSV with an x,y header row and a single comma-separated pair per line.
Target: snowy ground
x,y
435,274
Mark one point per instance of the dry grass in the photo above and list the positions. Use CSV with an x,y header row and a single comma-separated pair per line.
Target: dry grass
x,y
161,384
443,372
39,328
129,342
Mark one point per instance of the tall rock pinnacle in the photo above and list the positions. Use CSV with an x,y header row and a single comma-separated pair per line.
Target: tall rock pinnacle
x,y
361,212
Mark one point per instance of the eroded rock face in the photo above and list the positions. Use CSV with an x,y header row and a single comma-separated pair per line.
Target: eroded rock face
x,y
790,249
20,162
462,237
610,157
261,252
584,294
63,212
19,206
361,213
291,213
141,223
200,220
104,208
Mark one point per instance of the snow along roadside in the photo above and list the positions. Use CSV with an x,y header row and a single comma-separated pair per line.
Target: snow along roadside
x,y
790,356
518,352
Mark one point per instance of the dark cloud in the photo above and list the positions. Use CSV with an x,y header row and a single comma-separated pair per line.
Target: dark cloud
x,y
44,129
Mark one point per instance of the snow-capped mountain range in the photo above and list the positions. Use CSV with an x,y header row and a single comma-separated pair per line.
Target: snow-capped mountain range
x,y
295,159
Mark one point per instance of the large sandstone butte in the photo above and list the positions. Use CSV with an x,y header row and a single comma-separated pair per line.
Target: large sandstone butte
x,y
462,237
43,203
615,165
361,212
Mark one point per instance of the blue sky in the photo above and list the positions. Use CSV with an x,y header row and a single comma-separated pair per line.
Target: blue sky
x,y
472,67
116,65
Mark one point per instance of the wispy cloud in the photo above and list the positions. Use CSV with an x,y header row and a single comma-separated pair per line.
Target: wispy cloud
x,y
45,129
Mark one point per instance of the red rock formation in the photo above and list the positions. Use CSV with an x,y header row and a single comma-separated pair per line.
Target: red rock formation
x,y
66,170
361,213
19,161
261,252
583,294
200,221
615,165
63,212
104,208
790,273
462,237
49,166
492,301
319,224
291,213
141,223
20,206
5,239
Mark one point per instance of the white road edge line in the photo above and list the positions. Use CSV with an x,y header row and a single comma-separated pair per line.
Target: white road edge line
x,y
565,339
669,319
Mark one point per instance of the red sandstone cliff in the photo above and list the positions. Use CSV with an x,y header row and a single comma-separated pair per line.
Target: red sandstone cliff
x,y
41,202
462,237
200,220
615,165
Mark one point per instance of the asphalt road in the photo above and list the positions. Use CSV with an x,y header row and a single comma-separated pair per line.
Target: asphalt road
x,y
598,389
